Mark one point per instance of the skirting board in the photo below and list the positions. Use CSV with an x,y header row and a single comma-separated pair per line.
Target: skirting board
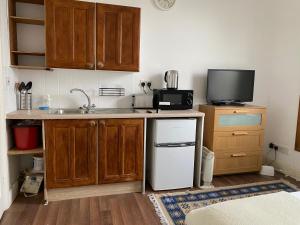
x,y
93,191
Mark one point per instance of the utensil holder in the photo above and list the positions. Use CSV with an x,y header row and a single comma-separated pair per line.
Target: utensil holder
x,y
28,101
23,100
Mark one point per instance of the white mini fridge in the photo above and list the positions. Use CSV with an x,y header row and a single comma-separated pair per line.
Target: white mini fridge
x,y
171,153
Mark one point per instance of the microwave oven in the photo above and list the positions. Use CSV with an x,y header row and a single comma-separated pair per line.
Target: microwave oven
x,y
170,99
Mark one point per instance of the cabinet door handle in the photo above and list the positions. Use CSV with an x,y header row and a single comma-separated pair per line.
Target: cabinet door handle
x,y
100,64
239,155
240,133
90,65
93,123
102,122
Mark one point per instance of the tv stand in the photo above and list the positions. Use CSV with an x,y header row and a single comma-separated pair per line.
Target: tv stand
x,y
228,103
235,135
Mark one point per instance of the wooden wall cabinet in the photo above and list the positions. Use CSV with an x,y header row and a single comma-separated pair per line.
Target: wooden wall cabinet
x,y
120,150
70,34
118,37
71,153
74,35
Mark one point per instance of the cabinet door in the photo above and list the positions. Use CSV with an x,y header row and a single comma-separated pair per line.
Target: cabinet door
x,y
118,37
120,150
71,151
70,34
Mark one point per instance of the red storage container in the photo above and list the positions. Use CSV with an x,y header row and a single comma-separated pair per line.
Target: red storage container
x,y
26,137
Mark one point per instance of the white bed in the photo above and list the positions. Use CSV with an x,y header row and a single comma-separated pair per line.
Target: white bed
x,y
280,208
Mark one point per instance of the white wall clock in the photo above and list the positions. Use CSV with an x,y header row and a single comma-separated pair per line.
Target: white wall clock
x,y
164,4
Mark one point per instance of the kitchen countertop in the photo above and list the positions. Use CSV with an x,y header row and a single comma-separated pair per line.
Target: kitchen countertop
x,y
44,115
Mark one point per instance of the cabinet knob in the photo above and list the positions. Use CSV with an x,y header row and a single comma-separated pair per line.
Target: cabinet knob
x,y
90,65
100,64
93,124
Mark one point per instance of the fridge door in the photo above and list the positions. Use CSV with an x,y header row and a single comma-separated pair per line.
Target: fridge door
x,y
172,168
174,130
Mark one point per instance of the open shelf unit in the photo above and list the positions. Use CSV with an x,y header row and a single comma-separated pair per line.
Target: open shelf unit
x,y
25,20
20,58
15,151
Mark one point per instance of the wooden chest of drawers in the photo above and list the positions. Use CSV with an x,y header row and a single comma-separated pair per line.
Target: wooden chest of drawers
x,y
236,135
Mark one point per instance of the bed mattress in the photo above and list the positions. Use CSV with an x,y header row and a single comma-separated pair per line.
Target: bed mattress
x,y
272,209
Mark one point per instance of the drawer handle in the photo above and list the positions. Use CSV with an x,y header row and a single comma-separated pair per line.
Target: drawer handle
x,y
240,133
239,111
239,155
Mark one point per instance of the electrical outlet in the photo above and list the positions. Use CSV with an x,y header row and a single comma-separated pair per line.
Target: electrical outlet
x,y
142,83
279,148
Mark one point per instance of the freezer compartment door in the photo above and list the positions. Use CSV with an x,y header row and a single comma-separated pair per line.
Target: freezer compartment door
x,y
172,168
175,130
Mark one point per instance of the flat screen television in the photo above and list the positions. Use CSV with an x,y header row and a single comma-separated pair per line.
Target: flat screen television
x,y
230,86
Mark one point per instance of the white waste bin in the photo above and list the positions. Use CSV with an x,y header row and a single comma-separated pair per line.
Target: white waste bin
x,y
208,158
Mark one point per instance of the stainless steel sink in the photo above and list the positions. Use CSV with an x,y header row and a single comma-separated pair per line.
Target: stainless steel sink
x,y
95,111
68,111
115,111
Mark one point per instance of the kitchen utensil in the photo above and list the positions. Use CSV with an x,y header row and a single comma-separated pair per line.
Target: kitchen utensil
x,y
22,86
171,78
22,96
28,86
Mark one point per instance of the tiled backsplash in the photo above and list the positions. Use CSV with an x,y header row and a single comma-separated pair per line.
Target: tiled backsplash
x,y
59,83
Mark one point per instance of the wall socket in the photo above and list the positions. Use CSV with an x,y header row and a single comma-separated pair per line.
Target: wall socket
x,y
279,148
144,82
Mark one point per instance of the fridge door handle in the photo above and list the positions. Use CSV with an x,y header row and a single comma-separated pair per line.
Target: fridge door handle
x,y
175,145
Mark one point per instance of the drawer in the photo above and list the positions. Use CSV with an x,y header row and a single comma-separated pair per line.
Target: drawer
x,y
239,119
228,163
235,141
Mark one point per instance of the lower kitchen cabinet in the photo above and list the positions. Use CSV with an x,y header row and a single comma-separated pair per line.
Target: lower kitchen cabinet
x,y
120,150
71,153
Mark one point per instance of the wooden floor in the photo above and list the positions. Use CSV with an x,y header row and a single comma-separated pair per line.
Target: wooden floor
x,y
127,209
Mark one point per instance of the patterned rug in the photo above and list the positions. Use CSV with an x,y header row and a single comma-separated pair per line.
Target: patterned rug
x,y
173,207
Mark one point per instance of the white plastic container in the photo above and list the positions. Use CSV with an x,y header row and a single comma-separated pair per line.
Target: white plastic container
x,y
38,164
208,158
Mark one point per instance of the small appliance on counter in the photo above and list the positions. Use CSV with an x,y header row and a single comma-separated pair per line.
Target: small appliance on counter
x,y
171,78
171,99
171,153
142,101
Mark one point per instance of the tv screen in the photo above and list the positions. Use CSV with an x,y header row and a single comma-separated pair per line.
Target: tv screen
x,y
225,86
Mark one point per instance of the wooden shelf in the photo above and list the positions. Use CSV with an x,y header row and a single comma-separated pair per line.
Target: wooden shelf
x,y
28,53
25,20
39,2
31,67
14,151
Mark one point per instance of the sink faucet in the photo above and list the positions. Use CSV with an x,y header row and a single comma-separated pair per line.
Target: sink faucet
x,y
89,106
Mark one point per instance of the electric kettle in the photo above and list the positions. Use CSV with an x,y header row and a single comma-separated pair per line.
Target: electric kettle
x,y
171,78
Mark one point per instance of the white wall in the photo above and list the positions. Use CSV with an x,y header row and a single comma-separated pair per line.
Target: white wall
x,y
2,205
284,84
192,37
9,167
